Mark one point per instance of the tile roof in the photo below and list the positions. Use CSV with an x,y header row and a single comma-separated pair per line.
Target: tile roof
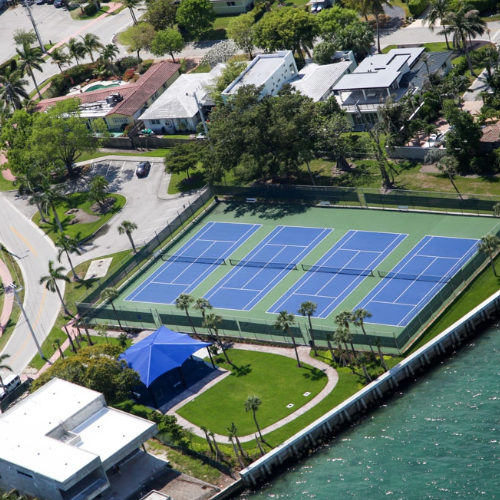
x,y
491,133
134,94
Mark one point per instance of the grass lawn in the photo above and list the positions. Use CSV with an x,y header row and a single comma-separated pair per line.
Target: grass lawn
x,y
156,153
262,374
221,22
202,68
78,16
79,231
5,185
430,47
180,182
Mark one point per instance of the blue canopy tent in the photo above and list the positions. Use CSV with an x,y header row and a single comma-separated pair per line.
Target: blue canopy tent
x,y
156,357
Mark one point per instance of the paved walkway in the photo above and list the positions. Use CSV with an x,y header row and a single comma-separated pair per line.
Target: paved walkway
x,y
8,298
304,356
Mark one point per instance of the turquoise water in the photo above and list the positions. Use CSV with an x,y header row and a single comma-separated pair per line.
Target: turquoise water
x,y
100,86
439,439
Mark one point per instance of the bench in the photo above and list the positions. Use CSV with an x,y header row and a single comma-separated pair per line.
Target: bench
x,y
403,207
324,204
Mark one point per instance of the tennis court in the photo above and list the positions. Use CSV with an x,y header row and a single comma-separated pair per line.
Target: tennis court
x,y
416,279
193,262
264,267
337,273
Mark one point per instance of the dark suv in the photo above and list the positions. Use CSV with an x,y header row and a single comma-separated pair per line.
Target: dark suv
x,y
143,169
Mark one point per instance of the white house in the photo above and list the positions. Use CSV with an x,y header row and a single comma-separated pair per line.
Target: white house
x,y
231,6
62,442
317,81
176,109
271,71
381,76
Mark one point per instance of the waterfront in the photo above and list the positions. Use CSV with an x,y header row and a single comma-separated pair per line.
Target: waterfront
x,y
437,439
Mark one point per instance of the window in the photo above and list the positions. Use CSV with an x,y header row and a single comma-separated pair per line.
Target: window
x,y
231,4
155,122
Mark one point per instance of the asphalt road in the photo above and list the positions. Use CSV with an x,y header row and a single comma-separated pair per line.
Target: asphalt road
x,y
33,250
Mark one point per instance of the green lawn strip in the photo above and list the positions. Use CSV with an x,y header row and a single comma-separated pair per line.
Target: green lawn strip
x,y
490,19
157,153
202,68
187,464
485,285
179,182
17,276
6,185
79,231
77,15
254,373
47,346
177,136
96,339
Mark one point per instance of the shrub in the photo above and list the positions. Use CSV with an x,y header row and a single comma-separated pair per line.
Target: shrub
x,y
129,73
127,62
416,7
483,5
90,9
144,66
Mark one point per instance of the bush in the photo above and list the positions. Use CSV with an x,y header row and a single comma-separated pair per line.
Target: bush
x,y
127,62
90,9
416,7
483,5
76,75
128,74
144,66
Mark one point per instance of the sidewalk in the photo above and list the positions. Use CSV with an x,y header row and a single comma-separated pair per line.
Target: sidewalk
x,y
8,298
304,351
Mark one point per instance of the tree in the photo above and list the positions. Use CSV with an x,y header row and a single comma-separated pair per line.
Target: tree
x,y
209,440
184,301
49,196
67,246
98,189
464,24
130,4
211,321
449,166
283,322
358,317
229,73
376,7
30,59
59,57
5,367
202,305
381,355
98,368
323,52
50,280
139,37
108,55
231,436
160,14
126,227
110,294
195,16
167,41
91,43
252,404
23,37
12,88
342,320
76,50
240,29
183,158
287,28
489,245
438,11
122,340
308,309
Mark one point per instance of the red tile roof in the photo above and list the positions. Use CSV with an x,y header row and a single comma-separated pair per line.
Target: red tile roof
x,y
491,133
135,95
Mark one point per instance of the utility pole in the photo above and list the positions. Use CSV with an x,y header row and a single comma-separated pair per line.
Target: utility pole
x,y
28,8
13,288
202,116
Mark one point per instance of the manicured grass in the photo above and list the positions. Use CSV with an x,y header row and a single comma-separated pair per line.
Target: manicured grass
x,y
78,16
79,231
5,185
430,47
202,68
156,153
177,136
254,373
221,22
180,182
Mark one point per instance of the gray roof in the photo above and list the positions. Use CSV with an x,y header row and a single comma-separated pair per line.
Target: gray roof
x,y
175,103
315,81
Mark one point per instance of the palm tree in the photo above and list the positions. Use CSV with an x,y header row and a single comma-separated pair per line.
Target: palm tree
x,y
50,280
438,10
122,340
109,295
5,367
126,227
30,58
131,4
60,58
340,337
211,321
283,322
183,301
202,305
91,42
28,183
217,451
489,244
57,345
108,55
381,355
66,246
252,404
12,87
234,429
449,165
231,436
329,338
50,195
76,50
376,7
308,308
207,437
463,25
358,317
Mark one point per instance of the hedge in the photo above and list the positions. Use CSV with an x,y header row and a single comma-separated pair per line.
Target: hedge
x,y
416,7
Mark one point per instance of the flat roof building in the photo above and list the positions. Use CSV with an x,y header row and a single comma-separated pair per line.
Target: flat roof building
x,y
61,442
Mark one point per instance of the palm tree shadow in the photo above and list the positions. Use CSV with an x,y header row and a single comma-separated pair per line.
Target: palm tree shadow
x,y
241,371
313,373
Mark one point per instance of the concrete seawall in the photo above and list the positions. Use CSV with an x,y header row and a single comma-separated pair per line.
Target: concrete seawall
x,y
370,396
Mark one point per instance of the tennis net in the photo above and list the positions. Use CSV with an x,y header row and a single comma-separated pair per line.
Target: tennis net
x,y
414,277
268,265
193,260
337,270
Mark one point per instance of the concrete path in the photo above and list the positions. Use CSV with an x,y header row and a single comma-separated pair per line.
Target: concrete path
x,y
8,298
304,356
480,84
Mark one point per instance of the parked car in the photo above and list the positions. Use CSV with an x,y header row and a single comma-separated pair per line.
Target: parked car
x,y
10,382
143,169
59,3
39,2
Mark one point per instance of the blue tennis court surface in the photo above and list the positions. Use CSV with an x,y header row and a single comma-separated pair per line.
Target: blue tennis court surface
x,y
265,266
339,271
422,273
214,242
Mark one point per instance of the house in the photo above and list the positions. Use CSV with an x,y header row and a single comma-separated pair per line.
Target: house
x,y
62,442
317,81
490,138
269,71
382,76
176,110
123,105
223,7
